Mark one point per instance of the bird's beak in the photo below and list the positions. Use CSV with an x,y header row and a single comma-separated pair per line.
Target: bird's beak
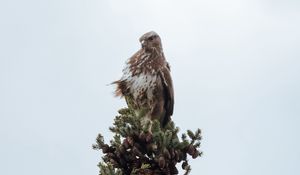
x,y
143,43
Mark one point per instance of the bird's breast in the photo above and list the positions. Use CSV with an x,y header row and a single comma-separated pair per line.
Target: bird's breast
x,y
142,86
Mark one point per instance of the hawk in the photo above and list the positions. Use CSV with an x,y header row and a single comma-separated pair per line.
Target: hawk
x,y
146,83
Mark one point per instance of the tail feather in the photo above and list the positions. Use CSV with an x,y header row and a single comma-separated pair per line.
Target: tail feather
x,y
120,89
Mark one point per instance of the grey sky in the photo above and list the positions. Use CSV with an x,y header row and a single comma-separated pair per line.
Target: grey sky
x,y
235,66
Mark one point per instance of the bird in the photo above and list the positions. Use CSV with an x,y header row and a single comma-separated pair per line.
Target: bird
x,y
146,83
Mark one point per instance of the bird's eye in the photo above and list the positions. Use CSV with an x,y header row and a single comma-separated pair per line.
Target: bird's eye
x,y
150,38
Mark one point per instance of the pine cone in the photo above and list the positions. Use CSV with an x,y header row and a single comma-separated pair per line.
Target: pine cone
x,y
161,162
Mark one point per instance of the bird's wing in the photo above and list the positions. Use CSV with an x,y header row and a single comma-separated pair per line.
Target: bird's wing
x,y
168,94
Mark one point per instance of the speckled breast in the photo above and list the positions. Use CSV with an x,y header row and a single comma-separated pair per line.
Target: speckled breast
x,y
142,87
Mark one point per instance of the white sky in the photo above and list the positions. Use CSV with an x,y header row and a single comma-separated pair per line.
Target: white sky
x,y
235,66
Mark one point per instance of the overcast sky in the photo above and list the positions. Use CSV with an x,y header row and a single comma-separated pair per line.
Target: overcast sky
x,y
235,66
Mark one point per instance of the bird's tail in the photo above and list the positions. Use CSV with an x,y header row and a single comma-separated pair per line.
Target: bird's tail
x,y
120,89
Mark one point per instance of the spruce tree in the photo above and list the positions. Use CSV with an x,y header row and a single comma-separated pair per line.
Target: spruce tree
x,y
138,149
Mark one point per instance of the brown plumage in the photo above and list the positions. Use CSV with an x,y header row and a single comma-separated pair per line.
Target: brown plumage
x,y
146,83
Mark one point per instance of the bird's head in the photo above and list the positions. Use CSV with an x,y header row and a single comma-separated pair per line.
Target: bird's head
x,y
150,40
